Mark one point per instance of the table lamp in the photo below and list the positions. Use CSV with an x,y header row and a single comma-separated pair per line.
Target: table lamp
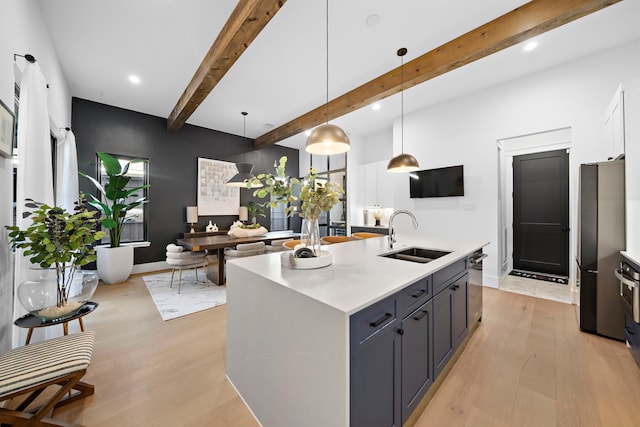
x,y
192,216
243,213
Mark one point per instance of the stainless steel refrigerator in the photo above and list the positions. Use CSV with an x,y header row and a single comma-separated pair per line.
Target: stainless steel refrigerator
x,y
601,237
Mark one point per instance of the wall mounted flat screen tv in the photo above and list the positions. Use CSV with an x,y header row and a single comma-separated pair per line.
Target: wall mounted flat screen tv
x,y
441,182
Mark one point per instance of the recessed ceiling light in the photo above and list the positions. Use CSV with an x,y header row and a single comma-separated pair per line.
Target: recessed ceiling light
x,y
134,79
308,133
372,20
375,106
530,46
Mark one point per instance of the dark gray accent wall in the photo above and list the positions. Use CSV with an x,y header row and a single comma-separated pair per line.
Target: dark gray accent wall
x,y
173,164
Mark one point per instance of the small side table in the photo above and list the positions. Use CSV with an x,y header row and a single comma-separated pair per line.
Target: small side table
x,y
30,321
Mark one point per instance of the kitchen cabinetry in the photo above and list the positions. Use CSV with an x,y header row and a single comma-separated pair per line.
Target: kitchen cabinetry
x,y
417,354
375,366
632,166
324,321
450,314
614,126
377,187
399,346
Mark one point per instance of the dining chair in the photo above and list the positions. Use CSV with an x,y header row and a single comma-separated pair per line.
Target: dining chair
x,y
278,245
365,235
336,239
292,243
179,259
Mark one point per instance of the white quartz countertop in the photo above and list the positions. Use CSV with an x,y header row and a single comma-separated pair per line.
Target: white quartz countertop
x,y
358,277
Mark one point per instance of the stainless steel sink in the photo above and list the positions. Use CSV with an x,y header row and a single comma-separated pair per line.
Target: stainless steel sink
x,y
421,255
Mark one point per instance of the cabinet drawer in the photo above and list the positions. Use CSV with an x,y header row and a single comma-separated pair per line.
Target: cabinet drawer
x,y
370,320
441,278
415,295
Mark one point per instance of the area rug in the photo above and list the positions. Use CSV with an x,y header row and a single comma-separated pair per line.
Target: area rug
x,y
539,276
193,297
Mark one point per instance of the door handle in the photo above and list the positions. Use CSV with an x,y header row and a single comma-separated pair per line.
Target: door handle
x,y
564,229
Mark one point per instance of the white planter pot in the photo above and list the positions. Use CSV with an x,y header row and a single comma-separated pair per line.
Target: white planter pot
x,y
114,264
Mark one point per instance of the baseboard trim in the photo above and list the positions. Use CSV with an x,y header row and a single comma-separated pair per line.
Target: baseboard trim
x,y
149,267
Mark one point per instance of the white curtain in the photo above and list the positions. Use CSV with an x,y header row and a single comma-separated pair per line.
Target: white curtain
x,y
67,172
35,172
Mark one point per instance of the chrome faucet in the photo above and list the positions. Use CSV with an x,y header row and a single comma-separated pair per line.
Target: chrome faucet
x,y
392,233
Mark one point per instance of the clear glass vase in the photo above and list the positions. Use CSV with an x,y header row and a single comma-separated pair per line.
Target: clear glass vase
x,y
310,235
42,297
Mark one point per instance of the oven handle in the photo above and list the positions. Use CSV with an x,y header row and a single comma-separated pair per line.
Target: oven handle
x,y
620,275
477,259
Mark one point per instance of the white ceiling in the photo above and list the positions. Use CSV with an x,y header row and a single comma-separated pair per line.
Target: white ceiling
x,y
282,73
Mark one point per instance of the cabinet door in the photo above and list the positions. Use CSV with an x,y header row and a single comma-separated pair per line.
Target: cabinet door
x,y
442,330
614,126
375,380
384,187
417,350
460,303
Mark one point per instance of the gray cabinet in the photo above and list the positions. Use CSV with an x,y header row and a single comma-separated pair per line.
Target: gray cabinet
x,y
450,318
375,366
417,353
400,344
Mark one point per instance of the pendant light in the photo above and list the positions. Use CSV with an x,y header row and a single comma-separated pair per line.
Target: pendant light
x,y
402,162
244,169
327,139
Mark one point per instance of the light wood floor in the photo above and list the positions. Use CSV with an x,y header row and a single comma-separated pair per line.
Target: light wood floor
x,y
526,365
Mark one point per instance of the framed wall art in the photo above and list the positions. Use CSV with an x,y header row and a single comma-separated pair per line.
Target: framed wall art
x,y
214,196
7,131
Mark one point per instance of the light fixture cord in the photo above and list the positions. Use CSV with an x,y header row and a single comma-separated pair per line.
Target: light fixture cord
x,y
327,47
402,104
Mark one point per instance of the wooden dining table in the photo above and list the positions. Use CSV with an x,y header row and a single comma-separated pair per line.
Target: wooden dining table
x,y
219,242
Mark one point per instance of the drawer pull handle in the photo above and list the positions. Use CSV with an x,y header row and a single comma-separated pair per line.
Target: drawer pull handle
x,y
421,315
419,294
381,320
455,287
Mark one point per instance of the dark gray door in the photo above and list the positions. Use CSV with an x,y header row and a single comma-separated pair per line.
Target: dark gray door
x,y
541,212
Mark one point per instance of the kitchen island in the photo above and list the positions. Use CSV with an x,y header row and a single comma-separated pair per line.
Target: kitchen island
x,y
312,347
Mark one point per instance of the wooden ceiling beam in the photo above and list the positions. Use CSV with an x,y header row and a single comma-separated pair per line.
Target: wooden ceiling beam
x,y
525,22
245,23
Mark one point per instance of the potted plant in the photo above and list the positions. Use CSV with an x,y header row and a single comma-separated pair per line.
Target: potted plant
x,y
62,242
316,196
254,210
115,261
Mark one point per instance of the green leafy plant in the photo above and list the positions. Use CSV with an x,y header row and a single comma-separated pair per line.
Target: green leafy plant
x,y
58,238
316,195
115,207
279,187
255,209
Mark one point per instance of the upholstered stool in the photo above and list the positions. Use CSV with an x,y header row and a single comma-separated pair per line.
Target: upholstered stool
x,y
27,371
180,260
278,245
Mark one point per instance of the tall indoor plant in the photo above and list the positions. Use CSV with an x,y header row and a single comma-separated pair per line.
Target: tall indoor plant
x,y
316,196
63,242
115,262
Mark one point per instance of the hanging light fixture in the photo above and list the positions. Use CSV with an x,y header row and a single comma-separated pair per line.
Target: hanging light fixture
x,y
402,162
244,169
327,139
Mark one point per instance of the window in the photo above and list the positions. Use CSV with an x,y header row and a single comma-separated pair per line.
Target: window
x,y
333,168
135,228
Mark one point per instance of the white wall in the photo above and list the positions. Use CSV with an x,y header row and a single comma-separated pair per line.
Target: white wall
x,y
23,30
466,131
